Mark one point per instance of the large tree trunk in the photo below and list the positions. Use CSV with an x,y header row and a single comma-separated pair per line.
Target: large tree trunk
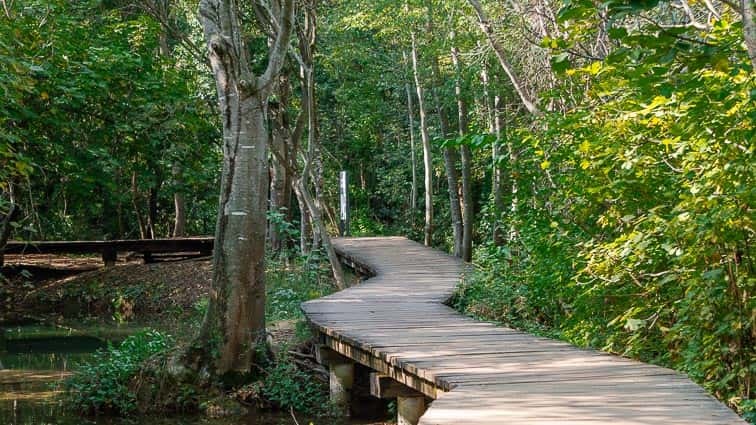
x,y
234,326
467,195
427,162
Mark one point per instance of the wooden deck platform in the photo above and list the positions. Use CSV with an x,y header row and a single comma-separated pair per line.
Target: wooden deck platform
x,y
479,374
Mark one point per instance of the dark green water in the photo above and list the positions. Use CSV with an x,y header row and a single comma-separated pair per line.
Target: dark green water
x,y
30,369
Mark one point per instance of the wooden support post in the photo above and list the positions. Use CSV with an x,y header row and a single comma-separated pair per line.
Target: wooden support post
x,y
109,257
148,258
409,410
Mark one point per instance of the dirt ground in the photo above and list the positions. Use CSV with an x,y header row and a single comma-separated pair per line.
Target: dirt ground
x,y
35,286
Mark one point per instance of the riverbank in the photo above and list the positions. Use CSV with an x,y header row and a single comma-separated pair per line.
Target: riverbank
x,y
58,317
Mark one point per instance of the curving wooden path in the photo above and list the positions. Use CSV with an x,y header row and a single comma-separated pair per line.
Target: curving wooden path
x,y
397,324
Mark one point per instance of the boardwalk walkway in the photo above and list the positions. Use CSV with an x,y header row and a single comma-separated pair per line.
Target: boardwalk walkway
x,y
396,323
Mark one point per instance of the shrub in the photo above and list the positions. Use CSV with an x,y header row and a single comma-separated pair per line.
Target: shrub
x,y
103,385
288,387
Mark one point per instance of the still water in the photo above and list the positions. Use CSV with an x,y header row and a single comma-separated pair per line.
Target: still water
x,y
31,368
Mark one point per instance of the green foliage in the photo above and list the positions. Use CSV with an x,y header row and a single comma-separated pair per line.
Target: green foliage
x,y
90,104
286,386
637,240
290,283
104,385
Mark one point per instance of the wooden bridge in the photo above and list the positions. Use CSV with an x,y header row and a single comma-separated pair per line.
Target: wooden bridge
x,y
471,372
109,249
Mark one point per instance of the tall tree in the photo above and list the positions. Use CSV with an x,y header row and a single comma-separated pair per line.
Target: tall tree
x,y
235,320
467,192
427,161
450,153
411,125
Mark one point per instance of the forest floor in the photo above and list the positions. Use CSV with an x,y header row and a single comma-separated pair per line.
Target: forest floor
x,y
59,289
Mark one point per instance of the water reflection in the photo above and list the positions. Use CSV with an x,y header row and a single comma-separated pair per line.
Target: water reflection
x,y
32,367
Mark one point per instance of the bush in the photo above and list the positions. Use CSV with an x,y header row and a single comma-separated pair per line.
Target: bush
x,y
104,385
286,386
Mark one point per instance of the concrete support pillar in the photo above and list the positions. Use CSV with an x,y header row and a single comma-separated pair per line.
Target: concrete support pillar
x,y
409,410
340,382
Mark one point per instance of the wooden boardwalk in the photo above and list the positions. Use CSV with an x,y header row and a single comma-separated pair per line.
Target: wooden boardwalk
x,y
397,324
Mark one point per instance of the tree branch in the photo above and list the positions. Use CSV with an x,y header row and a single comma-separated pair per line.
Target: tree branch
x,y
485,25
277,55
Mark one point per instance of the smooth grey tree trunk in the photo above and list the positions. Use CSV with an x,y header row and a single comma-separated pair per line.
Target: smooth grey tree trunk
x,y
234,325
427,161
467,195
749,28
451,159
413,161
498,175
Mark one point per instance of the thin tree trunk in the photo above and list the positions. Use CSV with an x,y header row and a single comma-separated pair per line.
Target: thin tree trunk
x,y
513,157
308,38
426,149
498,177
749,28
179,204
135,201
179,199
281,141
451,158
467,195
5,232
411,119
277,188
152,207
485,25
315,208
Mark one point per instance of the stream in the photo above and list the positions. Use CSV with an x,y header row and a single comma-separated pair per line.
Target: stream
x,y
31,368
